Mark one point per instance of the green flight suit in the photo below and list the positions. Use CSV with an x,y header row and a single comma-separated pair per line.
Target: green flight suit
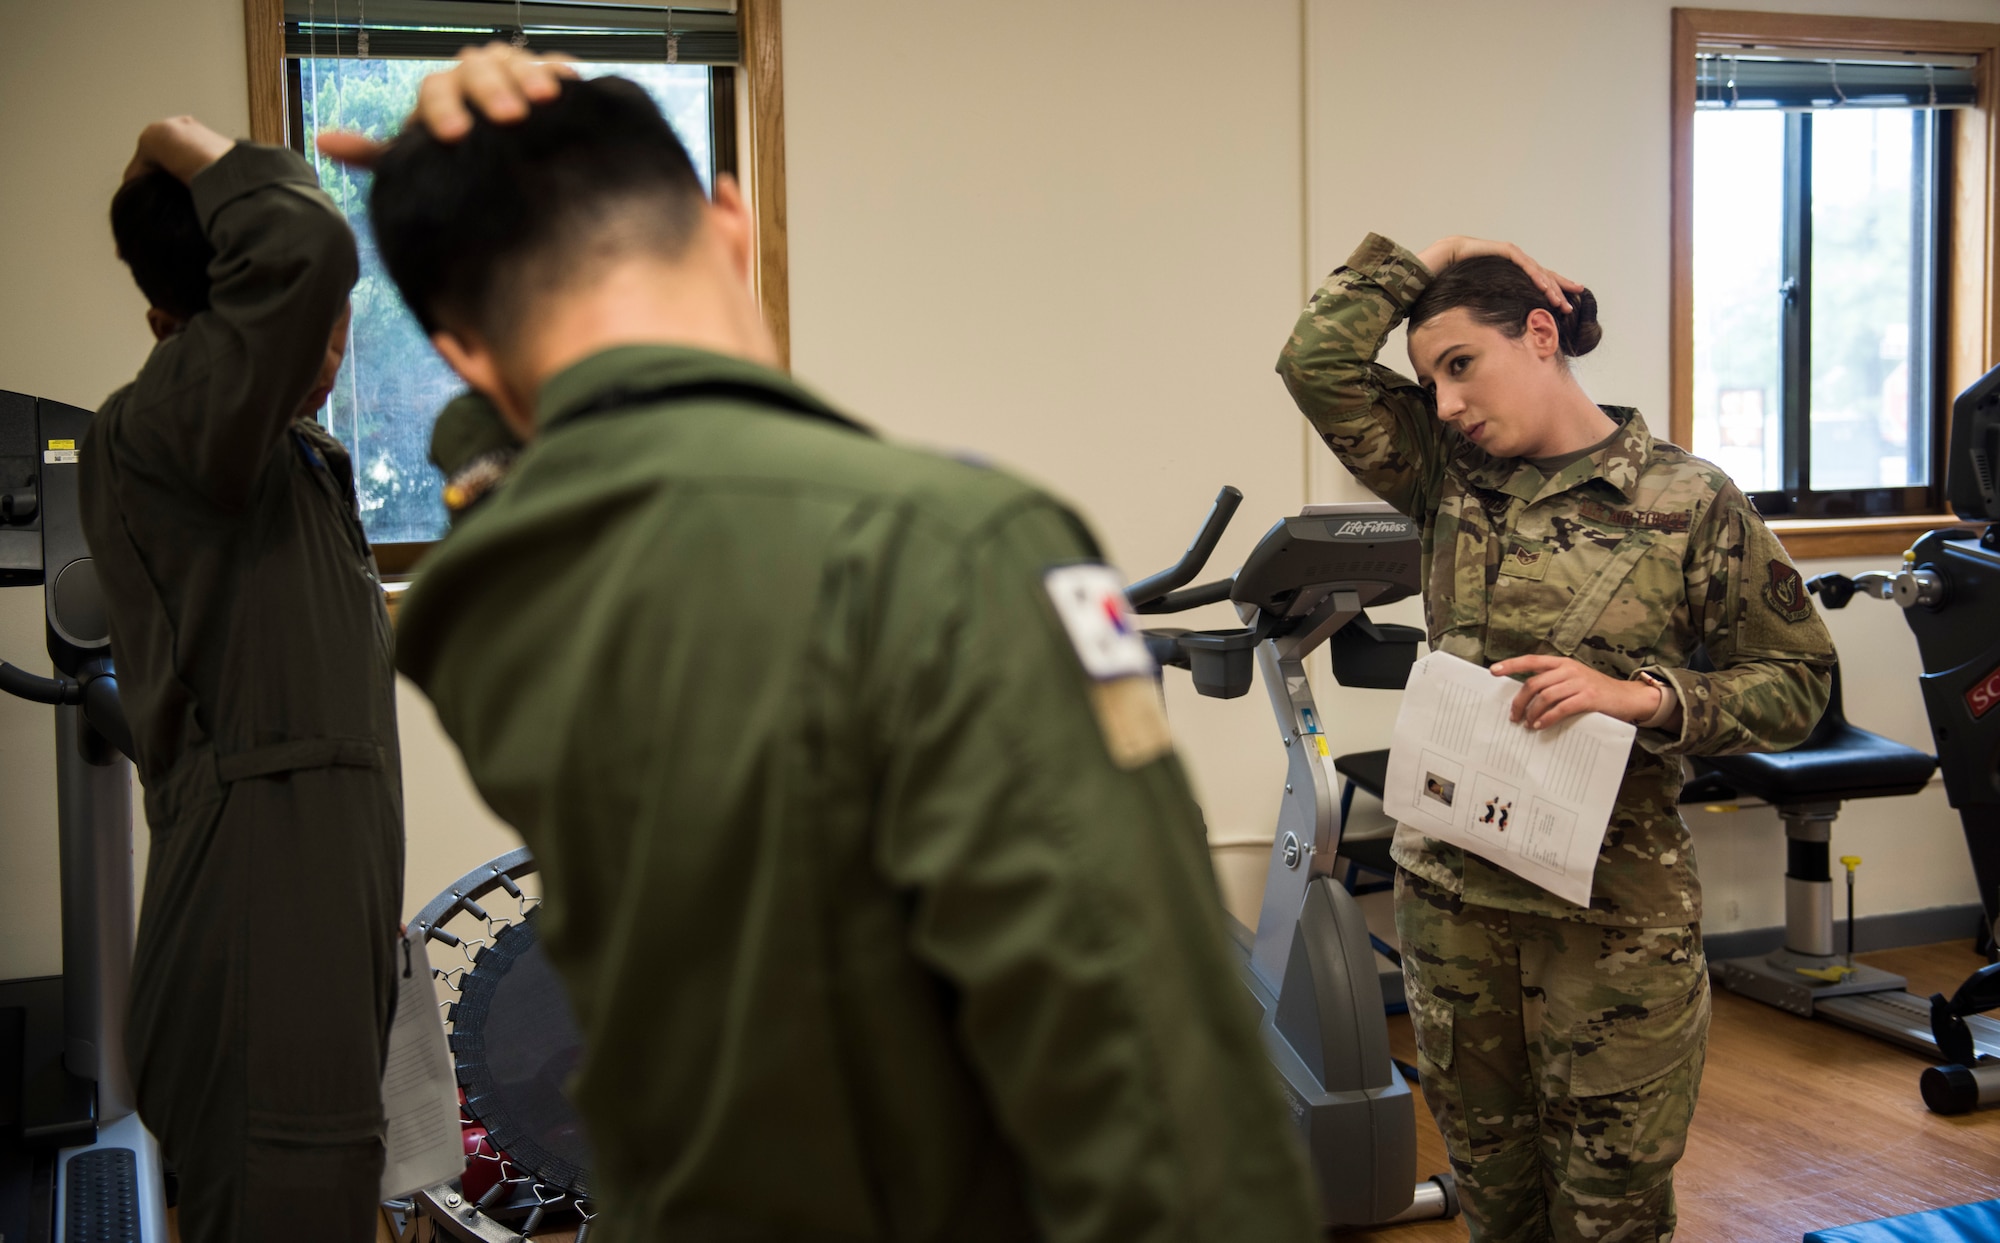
x,y
254,659
868,934
1561,1046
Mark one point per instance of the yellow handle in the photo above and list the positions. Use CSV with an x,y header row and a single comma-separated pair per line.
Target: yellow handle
x,y
1850,862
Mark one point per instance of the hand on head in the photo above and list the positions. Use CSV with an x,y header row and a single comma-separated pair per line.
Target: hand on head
x,y
182,146
1444,252
499,81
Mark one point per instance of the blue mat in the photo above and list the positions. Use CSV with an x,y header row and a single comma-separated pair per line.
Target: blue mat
x,y
1963,1223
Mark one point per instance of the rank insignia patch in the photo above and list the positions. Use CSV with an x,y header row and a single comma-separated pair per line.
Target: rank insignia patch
x,y
1786,593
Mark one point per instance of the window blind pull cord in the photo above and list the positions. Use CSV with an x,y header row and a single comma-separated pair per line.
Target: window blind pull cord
x,y
1930,80
673,40
1832,72
361,28
520,37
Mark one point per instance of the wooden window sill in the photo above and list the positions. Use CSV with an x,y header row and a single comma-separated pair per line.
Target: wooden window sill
x,y
1808,538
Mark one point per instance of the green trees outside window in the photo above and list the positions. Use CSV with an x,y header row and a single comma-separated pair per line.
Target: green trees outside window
x,y
393,383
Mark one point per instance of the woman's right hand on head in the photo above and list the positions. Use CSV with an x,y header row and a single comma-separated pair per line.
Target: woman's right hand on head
x,y
1446,251
500,81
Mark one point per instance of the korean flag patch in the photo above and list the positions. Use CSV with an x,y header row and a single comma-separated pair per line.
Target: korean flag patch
x,y
1090,599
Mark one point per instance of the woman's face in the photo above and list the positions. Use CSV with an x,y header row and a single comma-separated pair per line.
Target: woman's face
x,y
1494,388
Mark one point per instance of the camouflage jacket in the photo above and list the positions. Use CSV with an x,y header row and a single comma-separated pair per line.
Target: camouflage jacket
x,y
1630,558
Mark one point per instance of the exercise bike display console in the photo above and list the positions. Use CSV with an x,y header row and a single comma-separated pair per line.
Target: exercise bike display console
x,y
1309,963
76,1165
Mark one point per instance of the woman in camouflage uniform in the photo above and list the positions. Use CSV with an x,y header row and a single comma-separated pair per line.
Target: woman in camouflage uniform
x,y
1560,1046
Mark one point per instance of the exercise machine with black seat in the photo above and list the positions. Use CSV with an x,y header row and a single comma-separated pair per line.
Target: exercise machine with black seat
x,y
76,1164
1946,587
1967,1079
1809,975
1309,962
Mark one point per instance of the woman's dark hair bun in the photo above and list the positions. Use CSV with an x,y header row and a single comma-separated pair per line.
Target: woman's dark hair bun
x,y
1577,329
1495,290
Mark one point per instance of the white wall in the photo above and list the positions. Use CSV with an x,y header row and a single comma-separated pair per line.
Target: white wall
x,y
1075,252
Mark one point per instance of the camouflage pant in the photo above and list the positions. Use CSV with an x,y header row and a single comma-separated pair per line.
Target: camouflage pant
x,y
1561,1060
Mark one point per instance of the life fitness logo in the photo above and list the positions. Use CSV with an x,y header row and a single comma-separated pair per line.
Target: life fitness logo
x,y
1985,696
1372,526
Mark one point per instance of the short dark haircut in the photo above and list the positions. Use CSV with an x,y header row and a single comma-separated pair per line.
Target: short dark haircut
x,y
1494,290
472,231
159,237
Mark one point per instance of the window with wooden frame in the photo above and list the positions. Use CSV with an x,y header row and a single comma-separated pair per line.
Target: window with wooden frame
x,y
1834,261
714,68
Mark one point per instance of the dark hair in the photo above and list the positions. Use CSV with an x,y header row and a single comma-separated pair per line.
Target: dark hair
x,y
159,237
1495,291
472,231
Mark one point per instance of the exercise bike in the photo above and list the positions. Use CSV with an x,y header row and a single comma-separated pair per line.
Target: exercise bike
x,y
76,1164
1309,962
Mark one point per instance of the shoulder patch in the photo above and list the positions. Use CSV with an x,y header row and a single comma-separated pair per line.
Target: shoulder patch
x,y
1090,600
1786,592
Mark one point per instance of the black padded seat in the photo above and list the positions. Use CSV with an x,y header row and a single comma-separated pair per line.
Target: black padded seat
x,y
1367,769
1838,761
1370,854
1363,770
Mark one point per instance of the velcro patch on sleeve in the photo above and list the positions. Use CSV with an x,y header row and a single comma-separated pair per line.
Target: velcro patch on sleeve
x,y
1132,719
1090,600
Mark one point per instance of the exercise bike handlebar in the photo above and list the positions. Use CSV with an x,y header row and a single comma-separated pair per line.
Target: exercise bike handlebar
x,y
1157,587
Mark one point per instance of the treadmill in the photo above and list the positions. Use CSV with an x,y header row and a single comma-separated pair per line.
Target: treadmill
x,y
76,1164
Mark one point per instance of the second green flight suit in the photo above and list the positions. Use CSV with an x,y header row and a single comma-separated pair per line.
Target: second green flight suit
x,y
1561,1047
254,661
882,918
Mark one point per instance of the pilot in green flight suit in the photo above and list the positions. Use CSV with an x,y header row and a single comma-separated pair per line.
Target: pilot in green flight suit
x,y
254,660
881,899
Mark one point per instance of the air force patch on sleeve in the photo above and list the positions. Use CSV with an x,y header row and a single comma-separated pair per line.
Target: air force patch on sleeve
x,y
1786,593
1090,600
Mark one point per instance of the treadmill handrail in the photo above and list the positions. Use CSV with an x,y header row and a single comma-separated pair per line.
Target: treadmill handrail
x,y
34,688
96,691
1182,572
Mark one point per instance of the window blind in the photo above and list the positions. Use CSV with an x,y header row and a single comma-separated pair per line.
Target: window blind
x,y
602,30
1759,78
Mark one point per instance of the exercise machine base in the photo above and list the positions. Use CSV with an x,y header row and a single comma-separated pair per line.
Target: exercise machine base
x,y
1870,1001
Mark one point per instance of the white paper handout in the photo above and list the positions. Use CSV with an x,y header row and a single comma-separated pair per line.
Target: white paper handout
x,y
419,1089
1535,802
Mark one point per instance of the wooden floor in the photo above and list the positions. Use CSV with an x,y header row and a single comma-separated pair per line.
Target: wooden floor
x,y
1801,1125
